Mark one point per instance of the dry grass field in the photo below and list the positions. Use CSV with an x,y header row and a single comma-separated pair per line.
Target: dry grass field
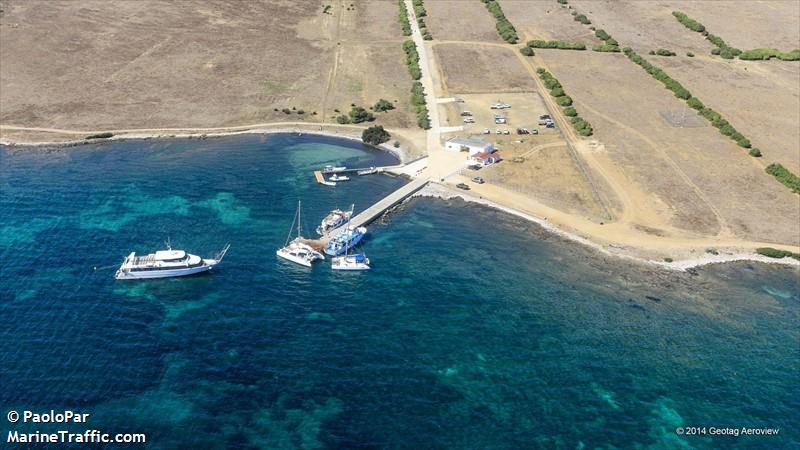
x,y
695,178
459,20
760,98
547,173
468,68
648,24
745,24
150,64
643,25
545,19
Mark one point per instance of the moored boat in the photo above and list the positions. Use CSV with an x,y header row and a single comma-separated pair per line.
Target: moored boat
x,y
336,178
358,261
345,240
332,169
334,220
165,264
296,250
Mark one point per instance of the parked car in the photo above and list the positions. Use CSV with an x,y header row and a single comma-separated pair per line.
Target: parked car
x,y
465,113
506,132
469,120
544,116
542,122
498,131
551,125
535,131
478,180
499,120
487,131
462,186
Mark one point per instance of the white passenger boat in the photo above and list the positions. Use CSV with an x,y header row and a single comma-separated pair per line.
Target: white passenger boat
x,y
165,264
358,261
332,169
337,178
369,171
345,240
296,250
334,220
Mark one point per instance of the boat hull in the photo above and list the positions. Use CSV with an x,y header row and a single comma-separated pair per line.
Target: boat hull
x,y
166,273
336,251
293,258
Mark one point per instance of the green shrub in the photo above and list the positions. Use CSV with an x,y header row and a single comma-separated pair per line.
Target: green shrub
x,y
665,52
690,54
527,51
695,103
504,28
418,100
412,59
105,135
561,45
606,48
564,100
743,142
570,112
688,22
342,119
557,92
777,253
403,17
602,35
582,126
769,53
359,114
755,153
563,2
582,19
383,105
783,175
375,135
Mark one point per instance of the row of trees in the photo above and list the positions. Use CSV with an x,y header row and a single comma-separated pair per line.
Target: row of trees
x,y
421,108
412,59
662,52
583,127
421,13
769,53
562,45
783,175
609,43
403,17
504,28
777,253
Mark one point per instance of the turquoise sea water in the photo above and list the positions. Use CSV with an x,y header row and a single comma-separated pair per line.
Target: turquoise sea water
x,y
474,329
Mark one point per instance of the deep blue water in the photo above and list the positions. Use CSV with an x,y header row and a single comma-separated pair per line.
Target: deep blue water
x,y
474,329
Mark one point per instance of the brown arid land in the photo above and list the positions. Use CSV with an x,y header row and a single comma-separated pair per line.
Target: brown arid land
x,y
654,181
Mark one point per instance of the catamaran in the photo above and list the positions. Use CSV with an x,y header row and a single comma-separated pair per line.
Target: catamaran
x,y
345,240
165,264
298,251
334,220
358,261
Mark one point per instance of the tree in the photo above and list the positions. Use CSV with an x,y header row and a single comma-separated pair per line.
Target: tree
x,y
570,112
375,135
383,105
359,114
527,51
342,119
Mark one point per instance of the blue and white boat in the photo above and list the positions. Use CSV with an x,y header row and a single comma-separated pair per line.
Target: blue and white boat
x,y
345,240
359,261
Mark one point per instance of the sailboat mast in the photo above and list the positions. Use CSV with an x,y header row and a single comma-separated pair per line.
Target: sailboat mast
x,y
298,218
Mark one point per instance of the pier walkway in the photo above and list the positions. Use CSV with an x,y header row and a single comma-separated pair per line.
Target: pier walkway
x,y
376,210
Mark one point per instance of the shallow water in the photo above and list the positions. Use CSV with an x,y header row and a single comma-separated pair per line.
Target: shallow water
x,y
473,330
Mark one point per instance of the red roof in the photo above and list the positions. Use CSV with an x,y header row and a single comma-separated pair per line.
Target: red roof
x,y
487,155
